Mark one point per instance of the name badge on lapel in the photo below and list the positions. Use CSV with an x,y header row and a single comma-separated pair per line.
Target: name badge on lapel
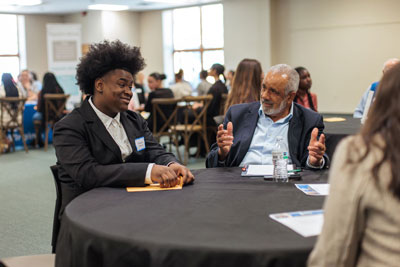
x,y
140,143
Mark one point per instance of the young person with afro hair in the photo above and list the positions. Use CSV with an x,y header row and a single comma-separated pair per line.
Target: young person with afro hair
x,y
102,143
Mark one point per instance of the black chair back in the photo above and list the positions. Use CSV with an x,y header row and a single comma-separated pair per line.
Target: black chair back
x,y
56,219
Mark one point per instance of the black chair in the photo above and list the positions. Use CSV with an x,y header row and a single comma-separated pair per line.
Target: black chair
x,y
56,220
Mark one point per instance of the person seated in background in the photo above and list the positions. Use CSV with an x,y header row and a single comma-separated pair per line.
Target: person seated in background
x,y
157,91
229,79
134,104
35,81
216,90
362,109
8,87
25,82
252,128
246,85
139,88
102,144
181,87
204,85
362,212
303,95
50,86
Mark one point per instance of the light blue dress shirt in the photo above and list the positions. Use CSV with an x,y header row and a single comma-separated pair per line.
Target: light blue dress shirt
x,y
264,138
359,111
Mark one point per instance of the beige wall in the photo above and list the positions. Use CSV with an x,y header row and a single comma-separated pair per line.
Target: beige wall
x,y
151,41
100,25
91,25
343,44
36,45
247,32
96,26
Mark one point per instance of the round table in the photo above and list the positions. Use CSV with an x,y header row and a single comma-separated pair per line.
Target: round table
x,y
220,220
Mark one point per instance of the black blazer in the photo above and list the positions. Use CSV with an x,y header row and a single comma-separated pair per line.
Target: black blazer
x,y
244,118
88,157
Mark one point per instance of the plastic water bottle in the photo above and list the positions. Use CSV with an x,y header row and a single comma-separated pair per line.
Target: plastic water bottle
x,y
279,160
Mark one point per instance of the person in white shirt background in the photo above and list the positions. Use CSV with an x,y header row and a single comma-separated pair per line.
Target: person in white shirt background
x,y
362,109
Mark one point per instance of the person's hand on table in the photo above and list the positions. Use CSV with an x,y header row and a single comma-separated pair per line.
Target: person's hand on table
x,y
224,140
316,148
164,175
182,171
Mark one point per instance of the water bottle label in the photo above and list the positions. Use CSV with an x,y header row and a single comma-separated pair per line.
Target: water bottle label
x,y
276,155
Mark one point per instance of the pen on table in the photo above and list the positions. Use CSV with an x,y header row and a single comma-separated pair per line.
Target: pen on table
x,y
295,170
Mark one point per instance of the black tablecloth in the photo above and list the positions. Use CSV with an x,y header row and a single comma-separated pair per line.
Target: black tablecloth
x,y
220,220
336,131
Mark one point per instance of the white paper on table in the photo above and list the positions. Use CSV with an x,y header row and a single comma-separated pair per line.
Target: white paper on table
x,y
322,189
314,189
306,223
262,170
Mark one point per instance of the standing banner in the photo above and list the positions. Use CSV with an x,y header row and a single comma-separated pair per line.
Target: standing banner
x,y
63,52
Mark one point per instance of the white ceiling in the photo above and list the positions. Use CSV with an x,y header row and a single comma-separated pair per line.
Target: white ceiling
x,y
73,6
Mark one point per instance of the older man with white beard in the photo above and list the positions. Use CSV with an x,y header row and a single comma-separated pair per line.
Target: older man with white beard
x,y
250,130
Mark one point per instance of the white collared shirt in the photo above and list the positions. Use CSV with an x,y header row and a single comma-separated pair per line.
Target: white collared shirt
x,y
116,130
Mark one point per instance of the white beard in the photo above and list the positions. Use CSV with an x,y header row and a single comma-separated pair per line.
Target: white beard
x,y
272,111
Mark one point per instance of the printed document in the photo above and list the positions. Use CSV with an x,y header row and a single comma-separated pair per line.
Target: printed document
x,y
314,189
306,223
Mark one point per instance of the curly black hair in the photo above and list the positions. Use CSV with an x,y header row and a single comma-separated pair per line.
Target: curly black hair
x,y
104,57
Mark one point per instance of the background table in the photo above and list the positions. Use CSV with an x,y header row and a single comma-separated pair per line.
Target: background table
x,y
336,131
221,220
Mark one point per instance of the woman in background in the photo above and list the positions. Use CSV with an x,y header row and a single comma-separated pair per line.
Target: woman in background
x,y
157,91
8,88
36,83
229,79
303,96
50,86
362,212
181,87
204,85
246,85
26,83
216,90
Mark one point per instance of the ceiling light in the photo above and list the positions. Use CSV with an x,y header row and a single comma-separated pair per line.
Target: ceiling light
x,y
108,7
20,2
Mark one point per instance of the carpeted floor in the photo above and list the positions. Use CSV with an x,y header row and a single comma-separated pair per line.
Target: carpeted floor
x,y
27,198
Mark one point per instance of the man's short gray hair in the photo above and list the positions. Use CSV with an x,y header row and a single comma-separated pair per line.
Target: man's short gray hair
x,y
390,63
294,78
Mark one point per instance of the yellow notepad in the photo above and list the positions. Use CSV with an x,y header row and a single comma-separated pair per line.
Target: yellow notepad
x,y
152,187
334,119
